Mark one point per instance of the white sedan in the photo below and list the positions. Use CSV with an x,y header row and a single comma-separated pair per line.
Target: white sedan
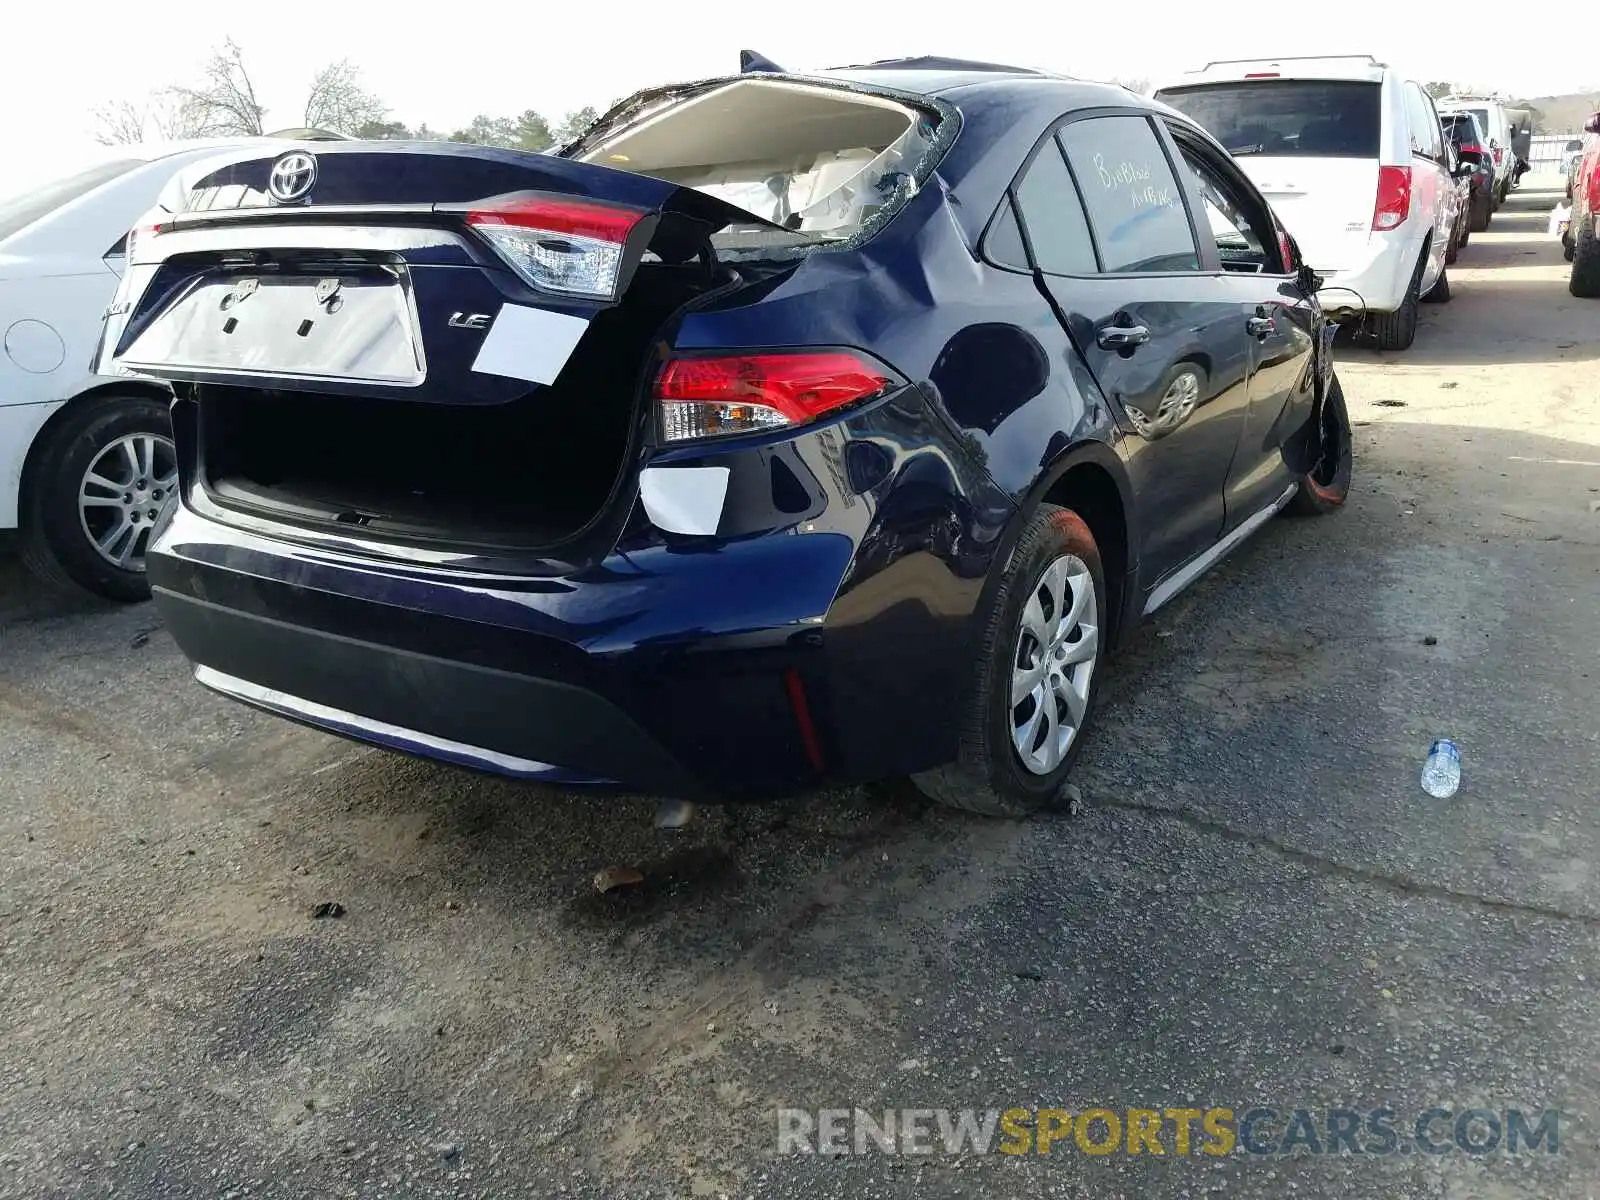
x,y
86,462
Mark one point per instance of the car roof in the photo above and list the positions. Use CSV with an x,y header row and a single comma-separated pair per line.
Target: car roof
x,y
1354,67
972,81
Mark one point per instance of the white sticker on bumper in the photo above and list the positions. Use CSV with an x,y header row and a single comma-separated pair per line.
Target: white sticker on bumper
x,y
529,343
684,499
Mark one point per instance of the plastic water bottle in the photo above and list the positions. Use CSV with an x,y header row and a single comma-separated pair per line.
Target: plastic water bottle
x,y
1441,774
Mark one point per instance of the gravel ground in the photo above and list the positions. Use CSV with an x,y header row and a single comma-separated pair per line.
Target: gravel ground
x,y
1257,906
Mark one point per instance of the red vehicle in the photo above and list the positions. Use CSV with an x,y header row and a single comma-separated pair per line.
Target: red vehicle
x,y
1582,239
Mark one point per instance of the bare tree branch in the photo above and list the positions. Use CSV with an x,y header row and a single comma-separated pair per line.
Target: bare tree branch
x,y
163,116
225,103
338,102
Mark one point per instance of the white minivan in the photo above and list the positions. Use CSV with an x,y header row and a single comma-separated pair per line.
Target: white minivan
x,y
1350,154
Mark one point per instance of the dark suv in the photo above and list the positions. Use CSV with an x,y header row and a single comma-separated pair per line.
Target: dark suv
x,y
1472,147
780,430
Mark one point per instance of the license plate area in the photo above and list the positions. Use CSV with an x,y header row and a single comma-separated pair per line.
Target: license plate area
x,y
353,323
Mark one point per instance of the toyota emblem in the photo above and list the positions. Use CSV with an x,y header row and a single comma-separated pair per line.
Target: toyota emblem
x,y
292,176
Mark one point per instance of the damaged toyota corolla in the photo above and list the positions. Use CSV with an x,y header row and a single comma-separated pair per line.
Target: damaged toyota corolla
x,y
782,430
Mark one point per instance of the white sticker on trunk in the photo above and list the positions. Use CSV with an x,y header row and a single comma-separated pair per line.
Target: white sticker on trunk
x,y
529,343
684,499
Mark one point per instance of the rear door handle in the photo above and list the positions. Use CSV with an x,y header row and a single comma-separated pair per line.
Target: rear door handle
x,y
1259,327
1122,337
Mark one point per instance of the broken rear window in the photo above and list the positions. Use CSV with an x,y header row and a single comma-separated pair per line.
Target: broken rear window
x,y
826,164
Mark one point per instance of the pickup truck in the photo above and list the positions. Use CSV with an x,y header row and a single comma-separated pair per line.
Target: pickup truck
x,y
1580,239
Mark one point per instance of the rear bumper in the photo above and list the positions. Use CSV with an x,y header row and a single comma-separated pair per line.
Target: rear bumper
x,y
456,712
1377,282
665,673
819,637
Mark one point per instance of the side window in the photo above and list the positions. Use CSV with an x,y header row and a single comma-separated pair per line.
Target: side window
x,y
1243,231
1435,129
1423,122
1134,202
1053,216
1003,243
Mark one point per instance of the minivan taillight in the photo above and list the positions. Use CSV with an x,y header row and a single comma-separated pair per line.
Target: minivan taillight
x,y
572,247
707,396
1394,198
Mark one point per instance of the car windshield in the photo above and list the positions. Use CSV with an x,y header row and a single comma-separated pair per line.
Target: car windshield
x,y
20,211
1294,117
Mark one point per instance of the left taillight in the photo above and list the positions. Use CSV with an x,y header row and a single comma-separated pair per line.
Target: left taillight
x,y
714,395
1393,203
569,247
142,234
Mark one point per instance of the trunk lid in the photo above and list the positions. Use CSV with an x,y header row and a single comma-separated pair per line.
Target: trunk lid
x,y
375,267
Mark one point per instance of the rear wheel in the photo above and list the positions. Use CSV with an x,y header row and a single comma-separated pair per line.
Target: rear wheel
x,y
1439,293
1035,677
1454,247
1482,210
94,488
1327,485
1585,281
1398,329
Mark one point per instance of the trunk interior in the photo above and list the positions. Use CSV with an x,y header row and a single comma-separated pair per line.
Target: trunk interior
x,y
525,475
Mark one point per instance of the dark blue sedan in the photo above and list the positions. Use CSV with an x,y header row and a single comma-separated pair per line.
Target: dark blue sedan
x,y
781,430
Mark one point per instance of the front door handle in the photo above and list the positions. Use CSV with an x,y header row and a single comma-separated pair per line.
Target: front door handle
x,y
1259,327
1122,337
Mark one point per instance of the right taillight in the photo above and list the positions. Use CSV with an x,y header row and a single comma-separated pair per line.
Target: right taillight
x,y
712,395
569,247
1394,198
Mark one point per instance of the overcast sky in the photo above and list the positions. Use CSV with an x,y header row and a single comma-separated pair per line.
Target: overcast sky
x,y
443,62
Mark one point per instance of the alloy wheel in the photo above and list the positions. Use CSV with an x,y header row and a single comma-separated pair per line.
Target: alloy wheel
x,y
123,494
1056,650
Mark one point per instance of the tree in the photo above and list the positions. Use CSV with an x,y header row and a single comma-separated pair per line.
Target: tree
x,y
224,104
574,124
337,100
162,116
530,132
383,130
1439,90
225,101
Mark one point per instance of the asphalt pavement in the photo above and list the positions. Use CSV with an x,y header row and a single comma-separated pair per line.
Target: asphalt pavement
x,y
1257,908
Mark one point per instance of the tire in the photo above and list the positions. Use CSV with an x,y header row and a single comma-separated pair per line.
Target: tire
x,y
1454,248
1054,566
1585,280
1439,293
55,535
1326,486
1397,330
1482,211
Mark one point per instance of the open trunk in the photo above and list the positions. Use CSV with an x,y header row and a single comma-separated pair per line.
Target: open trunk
x,y
454,343
527,473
